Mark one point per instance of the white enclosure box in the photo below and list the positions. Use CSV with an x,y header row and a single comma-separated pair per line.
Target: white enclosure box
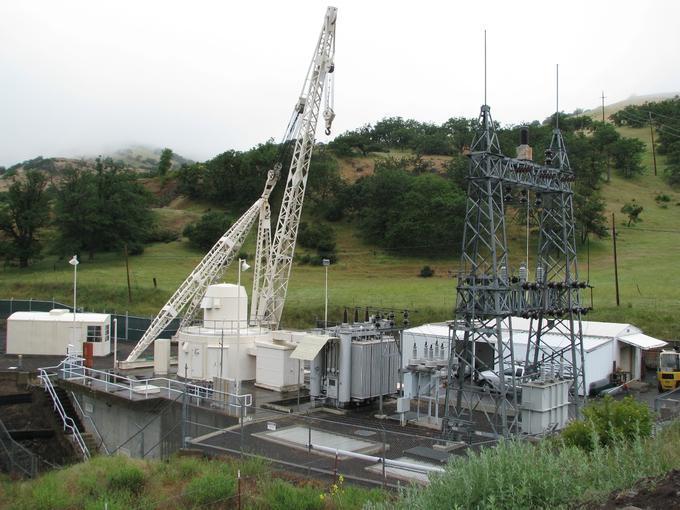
x,y
51,333
545,405
275,370
161,356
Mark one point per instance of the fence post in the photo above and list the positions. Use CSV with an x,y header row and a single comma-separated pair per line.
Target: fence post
x,y
241,403
309,445
11,305
126,325
239,489
30,304
384,477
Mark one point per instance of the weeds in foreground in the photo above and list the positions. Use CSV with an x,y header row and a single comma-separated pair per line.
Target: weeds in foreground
x,y
517,474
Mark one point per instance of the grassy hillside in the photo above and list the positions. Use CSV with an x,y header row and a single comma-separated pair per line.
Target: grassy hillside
x,y
368,276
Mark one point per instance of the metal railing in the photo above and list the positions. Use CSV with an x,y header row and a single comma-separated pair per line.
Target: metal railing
x,y
67,422
72,369
16,458
101,443
669,401
228,327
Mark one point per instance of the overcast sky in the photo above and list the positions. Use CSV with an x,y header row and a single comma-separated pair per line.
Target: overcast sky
x,y
81,77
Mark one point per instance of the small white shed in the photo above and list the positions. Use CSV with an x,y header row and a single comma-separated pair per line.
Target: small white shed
x,y
51,333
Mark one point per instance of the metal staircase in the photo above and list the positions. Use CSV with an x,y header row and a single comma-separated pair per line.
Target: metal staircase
x,y
64,408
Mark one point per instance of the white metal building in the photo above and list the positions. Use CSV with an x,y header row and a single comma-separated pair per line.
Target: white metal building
x,y
607,346
51,333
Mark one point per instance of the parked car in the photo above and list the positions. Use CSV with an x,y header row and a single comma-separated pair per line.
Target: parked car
x,y
490,380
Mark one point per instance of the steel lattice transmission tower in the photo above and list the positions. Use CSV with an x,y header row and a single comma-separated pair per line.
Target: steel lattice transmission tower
x,y
489,295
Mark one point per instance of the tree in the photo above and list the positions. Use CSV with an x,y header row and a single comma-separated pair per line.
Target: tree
x,y
102,210
320,237
407,213
25,210
189,180
238,177
627,156
633,210
205,232
165,162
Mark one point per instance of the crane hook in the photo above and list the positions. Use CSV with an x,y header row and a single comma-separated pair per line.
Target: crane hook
x,y
328,131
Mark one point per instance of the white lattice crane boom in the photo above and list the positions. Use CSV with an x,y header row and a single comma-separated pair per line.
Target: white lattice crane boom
x,y
188,296
301,128
273,296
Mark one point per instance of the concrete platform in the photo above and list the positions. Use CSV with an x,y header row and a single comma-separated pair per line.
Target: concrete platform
x,y
297,436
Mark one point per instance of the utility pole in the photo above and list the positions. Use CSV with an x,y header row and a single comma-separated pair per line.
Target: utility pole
x,y
603,96
616,262
651,130
127,270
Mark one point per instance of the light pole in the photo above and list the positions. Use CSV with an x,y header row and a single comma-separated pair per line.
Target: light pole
x,y
326,263
74,262
242,266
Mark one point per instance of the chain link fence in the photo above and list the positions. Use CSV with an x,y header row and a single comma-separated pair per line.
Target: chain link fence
x,y
14,458
130,327
331,443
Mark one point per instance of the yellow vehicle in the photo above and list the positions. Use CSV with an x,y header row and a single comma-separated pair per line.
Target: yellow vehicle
x,y
668,372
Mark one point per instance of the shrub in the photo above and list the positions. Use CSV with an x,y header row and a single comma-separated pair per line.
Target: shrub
x,y
633,211
426,272
210,488
662,197
126,478
162,235
609,421
624,419
280,495
580,434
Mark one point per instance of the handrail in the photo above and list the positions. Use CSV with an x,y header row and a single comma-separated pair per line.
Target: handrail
x,y
67,421
72,368
94,425
668,396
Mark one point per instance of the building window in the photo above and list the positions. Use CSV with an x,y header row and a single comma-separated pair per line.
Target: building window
x,y
94,333
107,333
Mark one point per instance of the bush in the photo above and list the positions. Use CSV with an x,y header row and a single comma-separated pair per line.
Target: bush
x,y
609,421
210,488
162,235
624,419
426,272
126,478
580,434
280,495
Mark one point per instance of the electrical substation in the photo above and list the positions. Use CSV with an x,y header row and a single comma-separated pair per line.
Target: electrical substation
x,y
515,359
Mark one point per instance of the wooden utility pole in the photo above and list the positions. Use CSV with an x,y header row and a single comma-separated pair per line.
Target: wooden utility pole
x,y
651,130
127,270
603,106
616,262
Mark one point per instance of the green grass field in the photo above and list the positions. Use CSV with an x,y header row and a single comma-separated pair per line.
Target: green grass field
x,y
367,276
